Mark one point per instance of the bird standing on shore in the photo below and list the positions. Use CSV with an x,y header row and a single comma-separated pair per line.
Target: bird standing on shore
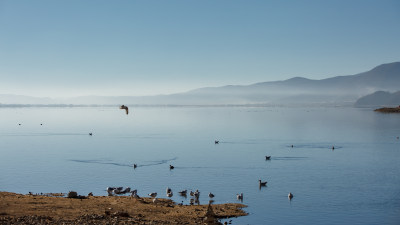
x,y
153,194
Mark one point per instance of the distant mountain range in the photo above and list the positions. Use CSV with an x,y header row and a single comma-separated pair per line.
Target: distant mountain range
x,y
297,90
379,99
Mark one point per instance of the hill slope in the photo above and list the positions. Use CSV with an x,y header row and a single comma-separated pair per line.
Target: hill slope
x,y
297,90
379,98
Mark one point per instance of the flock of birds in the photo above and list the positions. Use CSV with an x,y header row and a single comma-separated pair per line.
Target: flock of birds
x,y
195,195
112,191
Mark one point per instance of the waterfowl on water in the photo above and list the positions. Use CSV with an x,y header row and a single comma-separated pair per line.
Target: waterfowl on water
x,y
262,183
290,195
211,195
216,142
267,157
239,196
90,134
171,167
134,166
184,192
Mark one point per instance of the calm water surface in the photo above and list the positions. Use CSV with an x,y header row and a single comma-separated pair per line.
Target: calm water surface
x,y
356,183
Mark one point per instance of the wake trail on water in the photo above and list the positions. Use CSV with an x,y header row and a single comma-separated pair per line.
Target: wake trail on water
x,y
110,162
41,134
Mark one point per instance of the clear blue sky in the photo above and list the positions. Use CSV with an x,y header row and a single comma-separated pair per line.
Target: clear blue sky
x,y
76,47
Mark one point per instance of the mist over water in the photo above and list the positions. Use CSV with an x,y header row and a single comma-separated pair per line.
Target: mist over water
x,y
357,182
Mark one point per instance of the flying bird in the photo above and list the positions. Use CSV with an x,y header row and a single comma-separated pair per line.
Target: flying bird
x,y
124,107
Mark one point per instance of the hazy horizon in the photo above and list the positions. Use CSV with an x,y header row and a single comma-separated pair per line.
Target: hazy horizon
x,y
141,48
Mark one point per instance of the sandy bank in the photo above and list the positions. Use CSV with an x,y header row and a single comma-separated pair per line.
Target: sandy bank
x,y
39,209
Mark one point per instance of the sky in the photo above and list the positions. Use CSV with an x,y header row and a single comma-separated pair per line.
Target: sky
x,y
119,48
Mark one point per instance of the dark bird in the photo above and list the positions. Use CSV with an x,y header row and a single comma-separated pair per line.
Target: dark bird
x,y
171,167
134,166
183,192
90,134
216,142
290,195
262,183
124,107
267,157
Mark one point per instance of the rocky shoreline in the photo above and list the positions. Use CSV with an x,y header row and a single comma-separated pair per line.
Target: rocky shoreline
x,y
48,209
388,110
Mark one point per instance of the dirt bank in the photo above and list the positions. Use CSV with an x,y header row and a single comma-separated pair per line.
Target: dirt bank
x,y
40,209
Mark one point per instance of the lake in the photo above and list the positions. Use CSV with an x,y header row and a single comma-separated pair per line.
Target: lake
x,y
357,182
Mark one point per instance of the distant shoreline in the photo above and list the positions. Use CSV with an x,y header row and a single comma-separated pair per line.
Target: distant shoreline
x,y
260,105
388,110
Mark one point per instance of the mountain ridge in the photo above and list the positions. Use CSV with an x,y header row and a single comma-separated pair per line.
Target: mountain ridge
x,y
337,89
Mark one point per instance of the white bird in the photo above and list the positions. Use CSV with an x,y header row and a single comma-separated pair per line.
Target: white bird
x,y
290,196
211,195
154,194
110,190
170,194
